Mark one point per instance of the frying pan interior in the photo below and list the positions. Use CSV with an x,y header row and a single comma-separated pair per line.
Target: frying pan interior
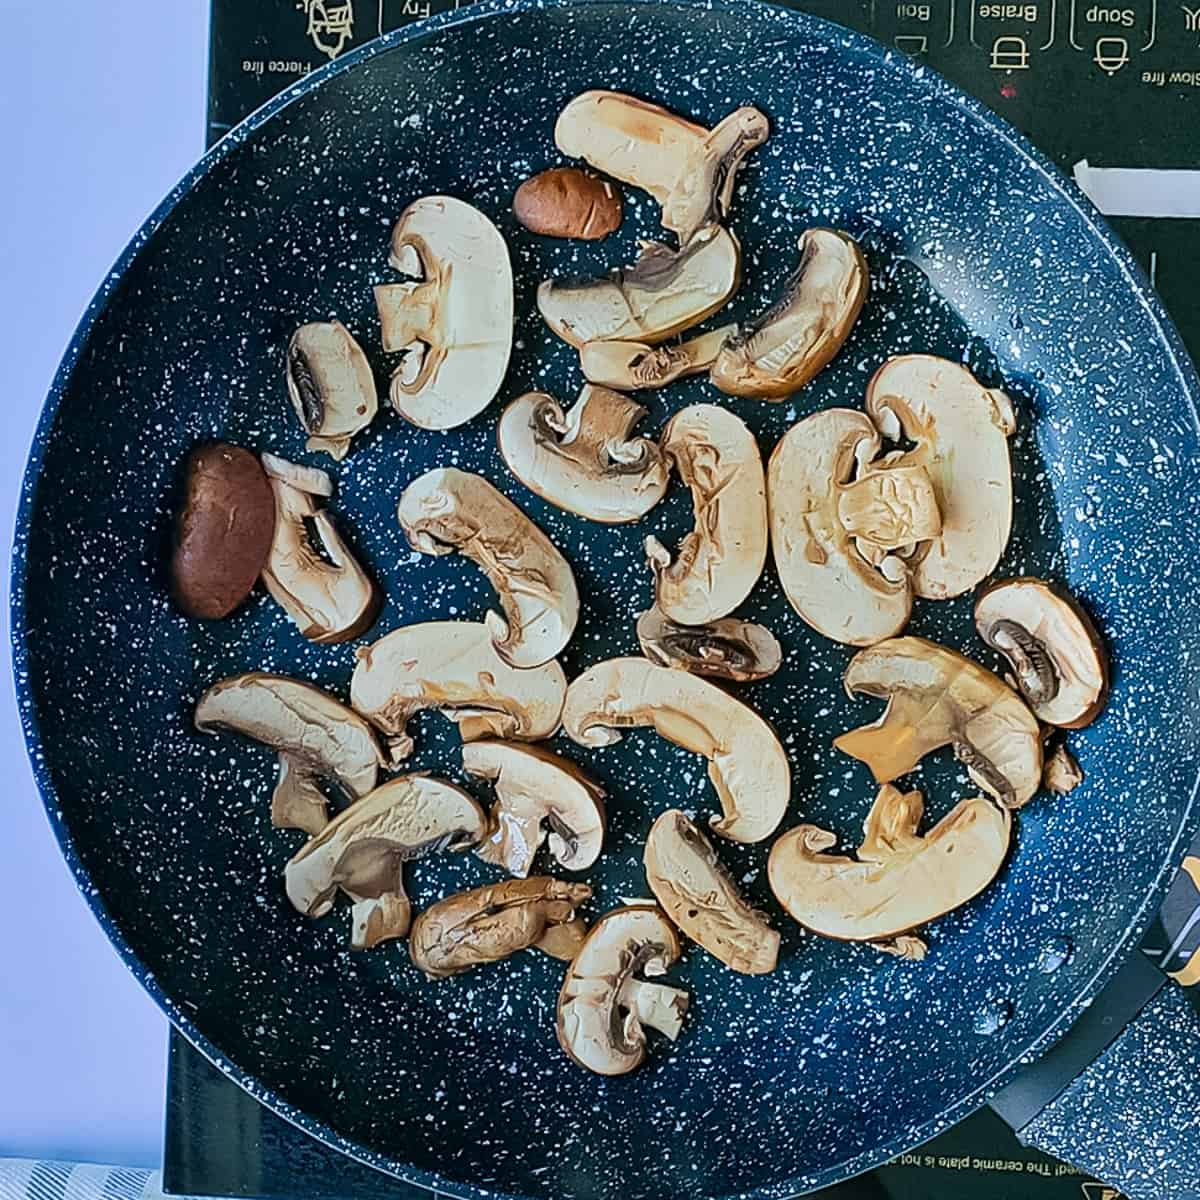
x,y
841,1057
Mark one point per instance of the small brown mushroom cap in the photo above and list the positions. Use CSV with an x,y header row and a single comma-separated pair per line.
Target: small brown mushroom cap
x,y
721,560
328,595
330,385
937,698
665,292
492,922
1057,656
447,509
961,430
452,318
725,649
362,852
566,202
453,666
746,762
800,335
699,895
899,880
604,1003
539,795
315,736
585,461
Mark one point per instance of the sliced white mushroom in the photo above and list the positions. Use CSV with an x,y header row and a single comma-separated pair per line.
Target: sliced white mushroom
x,y
310,572
961,430
538,795
726,649
664,293
746,763
453,318
689,170
899,880
585,461
315,736
721,560
494,922
634,366
447,509
1062,773
605,1004
1057,656
699,895
331,386
799,336
937,698
453,666
822,518
362,852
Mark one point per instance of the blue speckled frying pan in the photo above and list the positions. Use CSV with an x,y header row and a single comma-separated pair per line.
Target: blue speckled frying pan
x,y
842,1057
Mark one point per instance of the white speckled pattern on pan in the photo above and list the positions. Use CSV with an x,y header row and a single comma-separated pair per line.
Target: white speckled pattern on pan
x,y
779,1083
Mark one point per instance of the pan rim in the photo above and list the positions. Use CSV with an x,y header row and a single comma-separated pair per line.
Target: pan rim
x,y
1139,289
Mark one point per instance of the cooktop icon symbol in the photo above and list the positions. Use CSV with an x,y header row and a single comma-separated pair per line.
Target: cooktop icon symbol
x,y
1112,53
330,25
1010,54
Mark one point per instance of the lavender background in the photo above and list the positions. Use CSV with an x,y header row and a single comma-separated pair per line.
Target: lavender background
x,y
103,104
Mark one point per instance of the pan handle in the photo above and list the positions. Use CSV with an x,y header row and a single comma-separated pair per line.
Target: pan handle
x,y
1119,1096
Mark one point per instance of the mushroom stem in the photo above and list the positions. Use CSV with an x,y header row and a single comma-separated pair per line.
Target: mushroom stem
x,y
408,312
658,1005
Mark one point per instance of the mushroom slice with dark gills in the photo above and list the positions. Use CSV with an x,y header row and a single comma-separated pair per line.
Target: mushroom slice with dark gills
x,y
699,895
937,698
636,366
1057,657
746,762
453,666
665,292
315,736
310,571
690,170
447,509
605,1003
494,922
539,796
331,386
899,879
362,853
721,560
585,461
725,649
800,335
452,319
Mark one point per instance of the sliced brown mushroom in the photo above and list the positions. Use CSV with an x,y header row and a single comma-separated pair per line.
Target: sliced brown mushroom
x,y
331,386
899,880
1056,654
746,763
721,560
699,895
1062,773
800,334
538,795
447,509
315,736
453,318
961,430
937,698
689,170
585,461
362,851
493,922
310,571
725,649
664,293
822,518
634,366
605,1004
453,666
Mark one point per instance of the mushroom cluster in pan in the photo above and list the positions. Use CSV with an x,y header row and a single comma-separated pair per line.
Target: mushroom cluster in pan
x,y
865,510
